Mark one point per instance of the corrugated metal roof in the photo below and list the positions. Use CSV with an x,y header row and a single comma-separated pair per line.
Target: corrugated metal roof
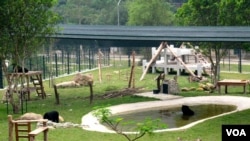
x,y
155,33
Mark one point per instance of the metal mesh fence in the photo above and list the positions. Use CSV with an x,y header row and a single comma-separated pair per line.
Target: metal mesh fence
x,y
61,62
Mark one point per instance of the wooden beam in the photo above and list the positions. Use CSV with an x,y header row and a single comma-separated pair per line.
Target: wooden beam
x,y
132,73
158,51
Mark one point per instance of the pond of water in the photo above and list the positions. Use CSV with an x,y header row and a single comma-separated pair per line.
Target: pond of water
x,y
172,117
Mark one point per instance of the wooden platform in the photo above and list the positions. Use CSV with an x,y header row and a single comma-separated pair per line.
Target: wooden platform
x,y
22,129
232,82
32,76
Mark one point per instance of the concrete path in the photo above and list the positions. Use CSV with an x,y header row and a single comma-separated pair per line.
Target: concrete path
x,y
89,122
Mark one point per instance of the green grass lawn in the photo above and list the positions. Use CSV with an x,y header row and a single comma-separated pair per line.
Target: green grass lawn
x,y
74,103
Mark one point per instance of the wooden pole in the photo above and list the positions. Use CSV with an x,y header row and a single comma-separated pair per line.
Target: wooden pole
x,y
10,128
99,65
131,78
56,95
133,72
91,92
158,79
162,45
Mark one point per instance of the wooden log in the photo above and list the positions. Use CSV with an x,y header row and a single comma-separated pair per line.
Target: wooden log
x,y
56,95
91,92
162,45
100,54
131,78
158,80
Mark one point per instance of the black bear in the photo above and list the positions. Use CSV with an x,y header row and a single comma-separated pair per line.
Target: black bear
x,y
187,111
52,116
17,68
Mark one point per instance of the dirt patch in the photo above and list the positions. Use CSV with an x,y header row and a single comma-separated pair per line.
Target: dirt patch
x,y
118,93
121,93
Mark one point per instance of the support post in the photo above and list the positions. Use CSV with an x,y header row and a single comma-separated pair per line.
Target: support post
x,y
91,92
56,95
10,128
131,78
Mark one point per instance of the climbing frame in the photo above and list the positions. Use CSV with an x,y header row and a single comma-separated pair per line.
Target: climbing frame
x,y
35,77
22,129
180,59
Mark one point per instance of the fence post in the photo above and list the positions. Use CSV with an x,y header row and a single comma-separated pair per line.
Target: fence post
x,y
89,59
68,62
79,59
44,69
56,95
240,62
56,65
128,59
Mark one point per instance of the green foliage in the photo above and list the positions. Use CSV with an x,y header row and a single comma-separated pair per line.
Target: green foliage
x,y
103,114
149,125
198,12
214,12
105,12
91,12
23,26
150,12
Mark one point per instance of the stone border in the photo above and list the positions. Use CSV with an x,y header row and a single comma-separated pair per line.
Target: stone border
x,y
90,122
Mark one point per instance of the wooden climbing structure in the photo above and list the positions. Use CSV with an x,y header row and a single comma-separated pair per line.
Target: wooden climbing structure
x,y
179,59
31,77
23,129
38,84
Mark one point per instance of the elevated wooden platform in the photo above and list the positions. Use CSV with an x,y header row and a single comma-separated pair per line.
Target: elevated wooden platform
x,y
34,77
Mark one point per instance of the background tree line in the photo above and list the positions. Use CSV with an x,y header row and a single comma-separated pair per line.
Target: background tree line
x,y
154,12
131,12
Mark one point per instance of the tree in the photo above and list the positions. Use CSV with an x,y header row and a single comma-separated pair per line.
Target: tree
x,y
213,13
91,12
149,13
244,12
24,26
